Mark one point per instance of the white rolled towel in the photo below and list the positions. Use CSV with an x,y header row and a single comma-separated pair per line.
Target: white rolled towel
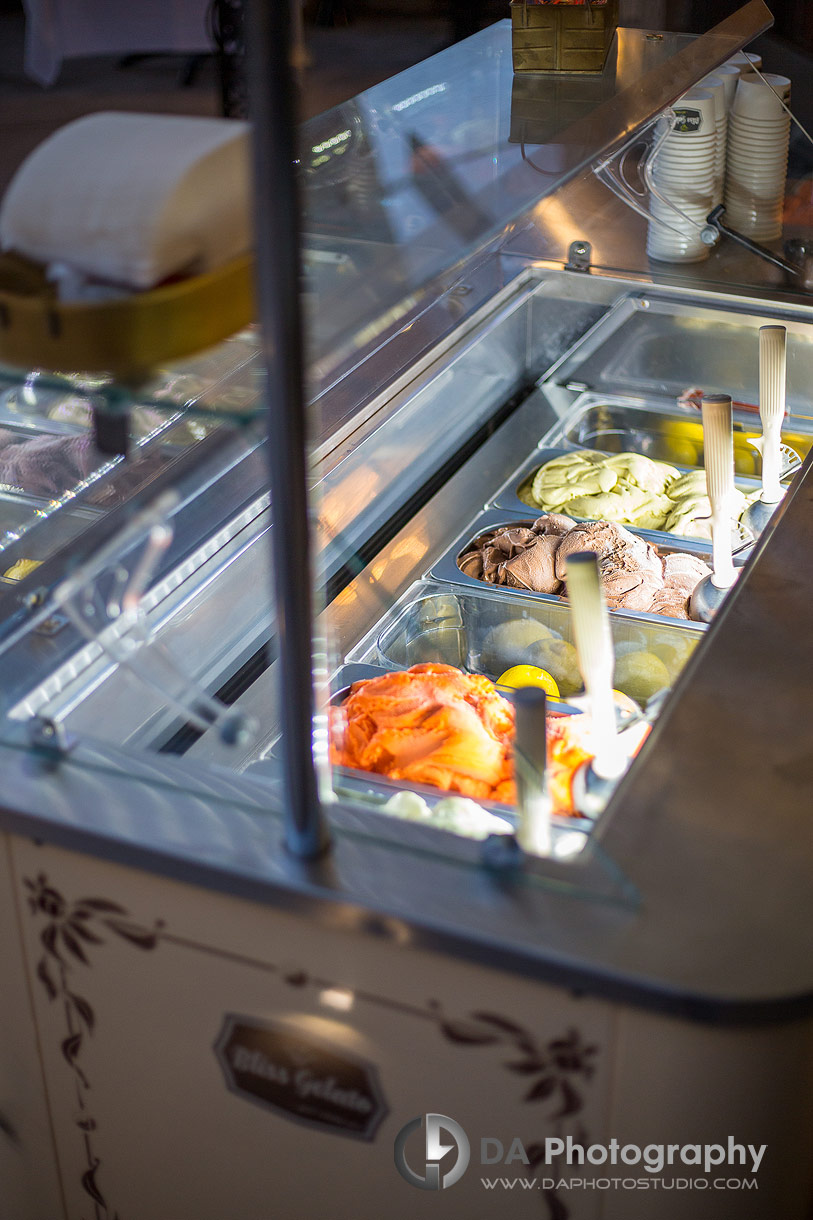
x,y
133,199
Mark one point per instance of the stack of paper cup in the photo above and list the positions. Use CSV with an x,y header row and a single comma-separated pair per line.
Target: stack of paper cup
x,y
683,181
757,158
715,85
746,62
729,74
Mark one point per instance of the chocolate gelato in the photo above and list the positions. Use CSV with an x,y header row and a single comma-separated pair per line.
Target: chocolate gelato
x,y
49,466
633,575
46,465
631,569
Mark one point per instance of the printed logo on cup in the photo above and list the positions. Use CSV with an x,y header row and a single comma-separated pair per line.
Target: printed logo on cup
x,y
688,121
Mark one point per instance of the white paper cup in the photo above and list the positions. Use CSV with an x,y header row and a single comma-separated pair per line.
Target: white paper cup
x,y
754,217
750,218
661,242
681,173
681,196
676,185
666,242
694,115
757,158
729,74
748,122
690,220
692,169
688,223
759,232
761,195
772,173
757,153
744,141
716,87
758,226
677,146
678,139
765,170
689,159
681,182
684,173
752,197
759,136
763,188
695,203
752,214
754,98
765,132
745,61
689,254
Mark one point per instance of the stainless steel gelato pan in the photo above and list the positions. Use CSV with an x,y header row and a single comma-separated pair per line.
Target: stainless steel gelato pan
x,y
447,568
515,495
483,631
664,432
423,804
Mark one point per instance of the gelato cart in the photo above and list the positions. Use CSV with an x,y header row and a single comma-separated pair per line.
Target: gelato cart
x,y
247,973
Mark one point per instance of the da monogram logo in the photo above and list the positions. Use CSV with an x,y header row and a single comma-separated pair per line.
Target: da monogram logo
x,y
435,1151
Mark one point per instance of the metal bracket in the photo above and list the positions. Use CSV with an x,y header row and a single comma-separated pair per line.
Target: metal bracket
x,y
51,625
49,740
578,256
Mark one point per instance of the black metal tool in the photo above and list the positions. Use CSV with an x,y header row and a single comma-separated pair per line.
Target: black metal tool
x,y
801,272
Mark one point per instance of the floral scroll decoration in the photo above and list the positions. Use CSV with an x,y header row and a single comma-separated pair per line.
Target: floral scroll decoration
x,y
554,1073
71,932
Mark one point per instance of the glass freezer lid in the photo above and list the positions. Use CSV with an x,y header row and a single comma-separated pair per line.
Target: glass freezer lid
x,y
418,174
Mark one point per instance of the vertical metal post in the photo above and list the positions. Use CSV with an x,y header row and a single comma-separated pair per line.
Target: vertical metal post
x,y
272,110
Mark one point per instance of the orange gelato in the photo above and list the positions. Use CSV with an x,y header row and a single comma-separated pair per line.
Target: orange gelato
x,y
433,724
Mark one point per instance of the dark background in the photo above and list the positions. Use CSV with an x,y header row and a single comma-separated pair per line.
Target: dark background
x,y
351,45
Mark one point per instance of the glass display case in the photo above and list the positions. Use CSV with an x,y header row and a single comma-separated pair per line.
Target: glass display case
x,y
477,304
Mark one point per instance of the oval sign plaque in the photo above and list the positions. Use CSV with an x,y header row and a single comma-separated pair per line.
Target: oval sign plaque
x,y
301,1077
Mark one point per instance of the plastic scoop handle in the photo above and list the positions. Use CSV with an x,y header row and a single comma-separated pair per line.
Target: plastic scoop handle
x,y
718,443
772,374
530,762
594,645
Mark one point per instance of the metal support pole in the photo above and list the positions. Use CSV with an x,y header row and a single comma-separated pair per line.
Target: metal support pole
x,y
273,114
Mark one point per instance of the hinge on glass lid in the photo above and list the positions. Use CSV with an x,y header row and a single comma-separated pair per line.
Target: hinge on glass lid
x,y
49,740
578,256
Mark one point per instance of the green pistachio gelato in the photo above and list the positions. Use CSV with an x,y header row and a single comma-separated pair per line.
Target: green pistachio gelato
x,y
627,489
